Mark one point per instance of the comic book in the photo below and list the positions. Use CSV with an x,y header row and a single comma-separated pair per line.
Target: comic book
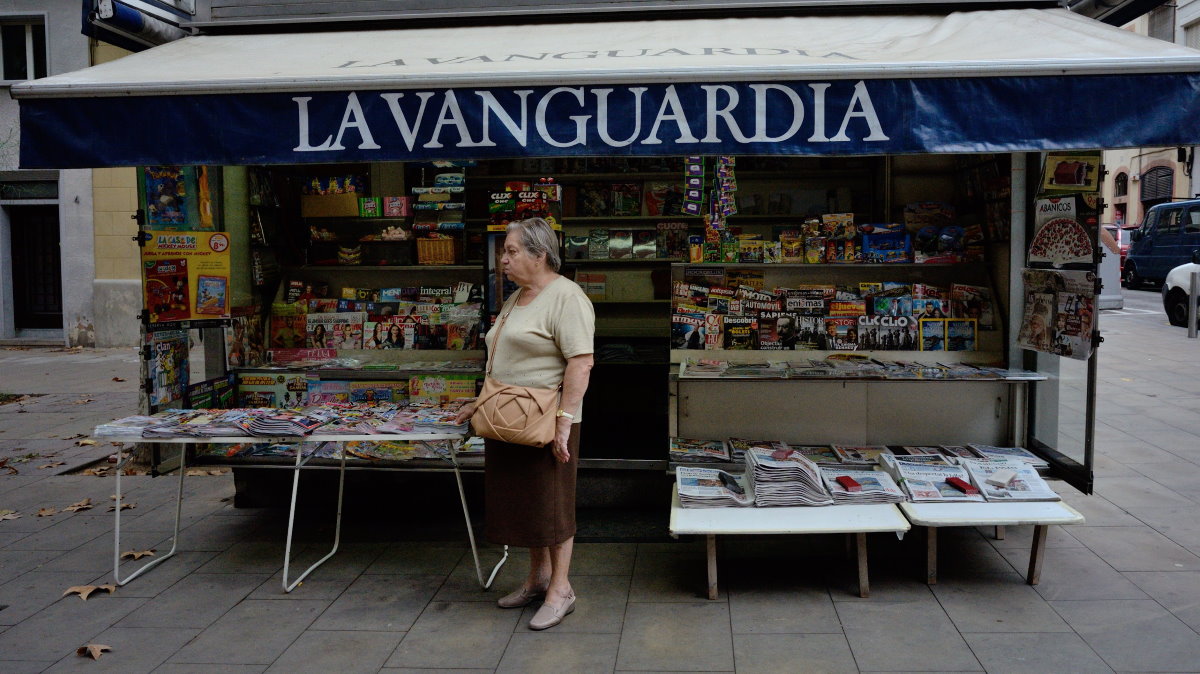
x,y
740,332
169,368
335,330
166,197
378,391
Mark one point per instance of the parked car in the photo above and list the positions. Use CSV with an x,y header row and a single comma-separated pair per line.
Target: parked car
x,y
1165,239
1176,288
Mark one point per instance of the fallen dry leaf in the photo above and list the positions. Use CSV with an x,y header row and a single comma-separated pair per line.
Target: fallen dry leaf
x,y
118,379
192,472
82,401
98,472
11,470
52,464
9,515
84,443
124,506
92,650
85,590
85,504
47,512
137,554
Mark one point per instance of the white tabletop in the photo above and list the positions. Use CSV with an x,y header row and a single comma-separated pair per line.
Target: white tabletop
x,y
986,514
832,519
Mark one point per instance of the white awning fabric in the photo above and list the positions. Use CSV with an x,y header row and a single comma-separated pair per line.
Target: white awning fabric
x,y
996,43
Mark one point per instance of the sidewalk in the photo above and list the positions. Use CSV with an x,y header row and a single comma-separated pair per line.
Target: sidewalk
x,y
1121,593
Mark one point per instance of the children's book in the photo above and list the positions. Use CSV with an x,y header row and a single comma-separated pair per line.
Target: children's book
x,y
166,290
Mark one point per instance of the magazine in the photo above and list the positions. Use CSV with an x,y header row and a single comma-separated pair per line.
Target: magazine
x,y
704,451
169,367
711,488
992,452
335,330
739,446
865,455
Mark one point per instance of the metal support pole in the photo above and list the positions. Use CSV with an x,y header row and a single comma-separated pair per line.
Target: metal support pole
x,y
337,531
1193,294
462,497
174,537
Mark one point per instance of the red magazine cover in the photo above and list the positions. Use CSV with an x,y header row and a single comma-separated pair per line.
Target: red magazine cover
x,y
166,289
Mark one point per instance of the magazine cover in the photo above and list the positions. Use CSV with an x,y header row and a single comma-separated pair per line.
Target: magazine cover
x,y
672,240
320,392
440,388
211,295
961,334
929,308
1060,235
335,331
740,332
166,197
663,198
169,369
687,331
288,326
969,301
244,341
272,390
901,305
887,333
841,333
166,290
714,330
933,334
778,331
1037,320
378,391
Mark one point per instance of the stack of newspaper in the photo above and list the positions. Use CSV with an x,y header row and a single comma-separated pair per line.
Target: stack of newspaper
x,y
822,455
687,450
711,488
784,477
301,421
1026,485
862,455
926,482
874,486
129,426
1020,453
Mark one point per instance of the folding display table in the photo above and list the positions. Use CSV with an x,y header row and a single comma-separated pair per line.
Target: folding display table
x,y
859,520
1041,514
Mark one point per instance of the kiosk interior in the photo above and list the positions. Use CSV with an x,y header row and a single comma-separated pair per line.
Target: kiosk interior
x,y
874,192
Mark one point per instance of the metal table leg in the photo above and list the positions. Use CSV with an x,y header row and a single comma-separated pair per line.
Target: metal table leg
x,y
337,531
462,497
174,536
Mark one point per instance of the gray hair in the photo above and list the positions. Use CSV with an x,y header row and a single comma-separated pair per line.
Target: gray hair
x,y
538,237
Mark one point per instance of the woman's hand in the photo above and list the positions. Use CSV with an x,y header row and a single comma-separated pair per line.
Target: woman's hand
x,y
465,413
562,433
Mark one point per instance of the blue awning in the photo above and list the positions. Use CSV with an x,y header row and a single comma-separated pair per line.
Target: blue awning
x,y
1004,80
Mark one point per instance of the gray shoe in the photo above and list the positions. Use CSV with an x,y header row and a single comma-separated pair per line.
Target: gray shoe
x,y
522,597
548,616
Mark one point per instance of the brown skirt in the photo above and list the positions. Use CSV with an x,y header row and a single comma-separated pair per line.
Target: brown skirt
x,y
528,495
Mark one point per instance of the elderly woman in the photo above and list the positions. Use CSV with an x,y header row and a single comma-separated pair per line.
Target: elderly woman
x,y
546,340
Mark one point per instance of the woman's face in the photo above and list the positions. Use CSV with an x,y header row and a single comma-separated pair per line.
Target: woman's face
x,y
394,332
519,266
378,331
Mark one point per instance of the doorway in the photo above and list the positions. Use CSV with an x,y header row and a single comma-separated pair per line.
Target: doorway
x,y
36,267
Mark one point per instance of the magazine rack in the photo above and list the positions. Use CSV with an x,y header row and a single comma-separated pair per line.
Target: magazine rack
x,y
858,520
1041,514
300,463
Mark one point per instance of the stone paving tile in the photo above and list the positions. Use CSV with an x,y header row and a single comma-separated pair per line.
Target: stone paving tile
x,y
133,650
8,537
380,603
33,591
553,651
224,641
1035,653
26,667
250,557
1076,573
884,636
419,558
1099,512
342,652
1133,635
781,603
463,584
756,653
1179,524
197,600
463,635
226,668
992,605
58,630
1177,591
599,609
67,533
1139,492
96,556
603,559
1022,537
157,579
1137,549
683,636
672,577
13,563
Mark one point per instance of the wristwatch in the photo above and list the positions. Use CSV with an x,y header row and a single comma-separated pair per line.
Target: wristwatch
x,y
565,414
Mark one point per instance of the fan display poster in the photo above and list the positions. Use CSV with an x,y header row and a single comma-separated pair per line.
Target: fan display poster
x,y
1071,172
179,197
1060,235
1059,312
185,276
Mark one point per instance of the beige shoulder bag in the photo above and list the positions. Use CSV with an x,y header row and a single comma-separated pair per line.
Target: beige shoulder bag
x,y
522,415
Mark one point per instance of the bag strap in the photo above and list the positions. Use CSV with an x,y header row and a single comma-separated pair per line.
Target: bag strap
x,y
499,325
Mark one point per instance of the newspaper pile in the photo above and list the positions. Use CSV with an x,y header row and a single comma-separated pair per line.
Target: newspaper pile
x,y
711,488
129,426
861,455
687,450
822,455
928,482
1027,485
739,446
874,486
784,477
